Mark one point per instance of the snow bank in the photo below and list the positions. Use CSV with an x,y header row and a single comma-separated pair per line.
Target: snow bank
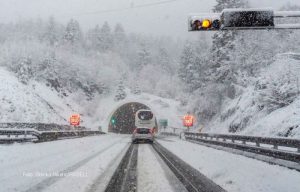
x,y
257,110
235,173
20,103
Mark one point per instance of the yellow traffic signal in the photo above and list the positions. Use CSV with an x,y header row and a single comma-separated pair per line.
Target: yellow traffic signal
x,y
206,23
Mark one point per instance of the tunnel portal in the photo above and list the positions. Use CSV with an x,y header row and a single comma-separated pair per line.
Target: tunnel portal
x,y
123,119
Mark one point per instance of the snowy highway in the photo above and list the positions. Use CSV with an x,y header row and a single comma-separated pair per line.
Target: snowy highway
x,y
73,164
150,96
88,165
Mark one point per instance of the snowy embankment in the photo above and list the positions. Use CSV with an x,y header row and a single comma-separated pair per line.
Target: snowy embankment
x,y
235,173
270,107
37,103
19,103
67,165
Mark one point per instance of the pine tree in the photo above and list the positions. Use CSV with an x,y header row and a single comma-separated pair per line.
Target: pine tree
x,y
225,4
51,35
73,35
25,70
93,37
164,62
119,33
105,39
188,70
223,45
48,71
136,88
143,56
120,94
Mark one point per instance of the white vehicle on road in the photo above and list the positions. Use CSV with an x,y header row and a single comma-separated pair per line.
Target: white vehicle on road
x,y
143,134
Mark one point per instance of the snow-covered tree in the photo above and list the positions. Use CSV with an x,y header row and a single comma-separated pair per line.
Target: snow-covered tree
x,y
120,92
279,84
24,70
119,33
164,61
52,32
223,46
143,56
188,70
225,4
93,36
136,88
73,35
105,38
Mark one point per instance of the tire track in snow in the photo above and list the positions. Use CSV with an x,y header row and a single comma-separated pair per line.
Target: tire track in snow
x,y
51,180
101,182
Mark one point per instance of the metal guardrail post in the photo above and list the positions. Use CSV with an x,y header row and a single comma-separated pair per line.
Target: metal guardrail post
x,y
257,144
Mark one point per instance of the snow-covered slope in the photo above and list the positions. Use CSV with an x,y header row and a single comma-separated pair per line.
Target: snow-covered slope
x,y
36,102
21,103
271,107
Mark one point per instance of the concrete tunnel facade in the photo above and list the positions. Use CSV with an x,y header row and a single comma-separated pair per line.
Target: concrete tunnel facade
x,y
124,117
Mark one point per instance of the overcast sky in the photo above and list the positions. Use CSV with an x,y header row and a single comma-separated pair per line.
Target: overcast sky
x,y
167,17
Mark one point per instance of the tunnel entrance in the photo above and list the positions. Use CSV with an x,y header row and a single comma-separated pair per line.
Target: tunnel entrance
x,y
123,119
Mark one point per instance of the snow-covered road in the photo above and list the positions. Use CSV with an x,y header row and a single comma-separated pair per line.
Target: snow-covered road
x,y
80,162
154,174
87,165
235,173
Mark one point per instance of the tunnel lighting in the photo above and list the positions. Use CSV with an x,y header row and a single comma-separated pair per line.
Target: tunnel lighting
x,y
113,121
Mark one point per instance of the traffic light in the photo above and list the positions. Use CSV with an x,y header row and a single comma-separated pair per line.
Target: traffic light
x,y
242,19
205,23
113,120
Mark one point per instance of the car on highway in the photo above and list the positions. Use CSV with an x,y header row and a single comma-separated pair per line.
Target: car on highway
x,y
143,134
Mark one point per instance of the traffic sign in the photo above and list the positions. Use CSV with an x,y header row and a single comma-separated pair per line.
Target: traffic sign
x,y
75,120
163,122
188,120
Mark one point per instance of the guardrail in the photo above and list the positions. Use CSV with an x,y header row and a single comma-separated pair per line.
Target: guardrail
x,y
280,148
39,126
30,132
172,130
168,134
